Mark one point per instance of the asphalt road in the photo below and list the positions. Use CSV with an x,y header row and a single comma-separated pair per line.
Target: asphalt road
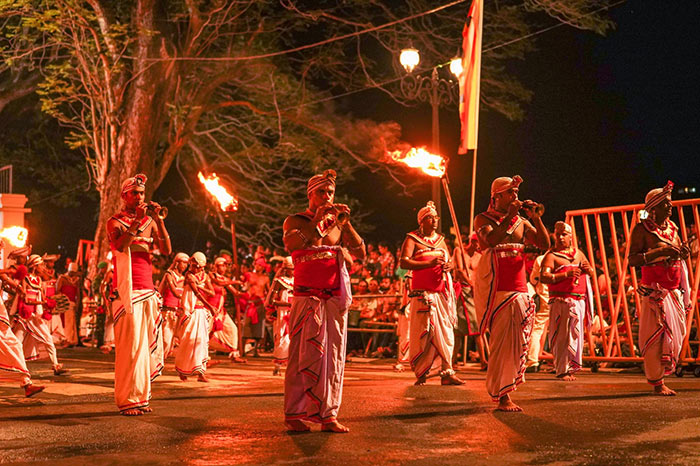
x,y
604,418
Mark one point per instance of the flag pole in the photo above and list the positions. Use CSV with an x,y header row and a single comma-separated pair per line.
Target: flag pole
x,y
471,202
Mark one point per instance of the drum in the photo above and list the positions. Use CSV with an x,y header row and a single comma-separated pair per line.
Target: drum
x,y
62,303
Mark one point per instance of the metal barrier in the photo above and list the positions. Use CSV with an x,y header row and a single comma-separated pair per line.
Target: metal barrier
x,y
6,179
621,302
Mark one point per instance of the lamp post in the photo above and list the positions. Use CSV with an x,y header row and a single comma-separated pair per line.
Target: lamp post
x,y
434,90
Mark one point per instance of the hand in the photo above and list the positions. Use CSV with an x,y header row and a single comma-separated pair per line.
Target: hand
x,y
587,269
141,211
153,209
321,212
436,261
529,208
671,252
448,267
685,251
575,273
514,207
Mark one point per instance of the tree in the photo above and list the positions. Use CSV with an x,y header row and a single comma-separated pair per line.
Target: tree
x,y
140,83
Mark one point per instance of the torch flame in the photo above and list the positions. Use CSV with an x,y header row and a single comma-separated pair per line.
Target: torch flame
x,y
417,157
211,183
16,236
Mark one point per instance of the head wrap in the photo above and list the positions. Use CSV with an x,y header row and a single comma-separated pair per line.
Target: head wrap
x,y
219,260
327,178
657,196
21,252
72,267
563,226
34,260
429,209
504,183
50,257
225,252
199,258
180,256
287,263
134,182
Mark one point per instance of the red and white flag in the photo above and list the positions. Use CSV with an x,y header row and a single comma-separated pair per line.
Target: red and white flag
x,y
470,78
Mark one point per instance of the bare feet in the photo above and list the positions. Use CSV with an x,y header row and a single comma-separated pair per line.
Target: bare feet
x,y
567,377
202,378
59,370
131,412
296,425
451,380
238,360
663,390
146,409
31,390
106,349
335,427
183,378
276,370
420,381
507,405
398,367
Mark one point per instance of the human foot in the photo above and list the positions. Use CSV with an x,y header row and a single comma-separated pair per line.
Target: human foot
x,y
202,378
420,381
31,390
567,377
507,405
663,390
335,427
296,425
238,360
59,370
183,378
131,412
146,409
451,380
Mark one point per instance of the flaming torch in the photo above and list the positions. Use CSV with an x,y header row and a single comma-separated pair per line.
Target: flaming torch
x,y
16,236
435,166
229,205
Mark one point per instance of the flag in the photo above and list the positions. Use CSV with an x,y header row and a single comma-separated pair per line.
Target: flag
x,y
469,80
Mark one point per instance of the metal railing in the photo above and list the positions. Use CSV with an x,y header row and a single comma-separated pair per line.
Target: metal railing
x,y
6,179
620,303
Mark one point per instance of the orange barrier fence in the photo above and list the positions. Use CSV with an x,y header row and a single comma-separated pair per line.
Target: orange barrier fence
x,y
85,248
606,244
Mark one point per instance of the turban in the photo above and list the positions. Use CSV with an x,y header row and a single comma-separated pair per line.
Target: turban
x,y
220,260
21,252
72,267
130,184
50,257
180,256
287,263
563,226
505,183
429,209
34,260
657,196
199,258
327,178
225,252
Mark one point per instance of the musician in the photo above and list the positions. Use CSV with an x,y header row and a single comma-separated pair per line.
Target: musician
x,y
655,246
31,323
500,287
136,307
433,302
278,300
68,284
171,290
224,333
317,239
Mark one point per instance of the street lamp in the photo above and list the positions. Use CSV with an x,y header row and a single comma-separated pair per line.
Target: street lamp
x,y
434,90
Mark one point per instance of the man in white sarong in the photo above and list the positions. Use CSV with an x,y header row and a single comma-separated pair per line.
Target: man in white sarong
x,y
433,303
12,362
317,238
170,289
279,301
192,352
31,322
500,286
224,333
403,326
571,301
136,304
656,246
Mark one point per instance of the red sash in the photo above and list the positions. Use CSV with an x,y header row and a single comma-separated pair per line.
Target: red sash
x,y
316,271
570,287
169,299
667,276
511,268
430,279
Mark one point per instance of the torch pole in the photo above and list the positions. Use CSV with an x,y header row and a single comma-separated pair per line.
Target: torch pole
x,y
237,307
450,205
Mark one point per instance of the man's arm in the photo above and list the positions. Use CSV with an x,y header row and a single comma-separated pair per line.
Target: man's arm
x,y
539,236
638,256
407,263
164,244
491,236
120,238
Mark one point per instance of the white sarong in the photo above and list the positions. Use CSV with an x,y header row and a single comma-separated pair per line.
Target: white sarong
x,y
433,319
12,362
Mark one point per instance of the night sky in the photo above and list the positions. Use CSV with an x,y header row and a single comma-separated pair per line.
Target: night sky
x,y
611,117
